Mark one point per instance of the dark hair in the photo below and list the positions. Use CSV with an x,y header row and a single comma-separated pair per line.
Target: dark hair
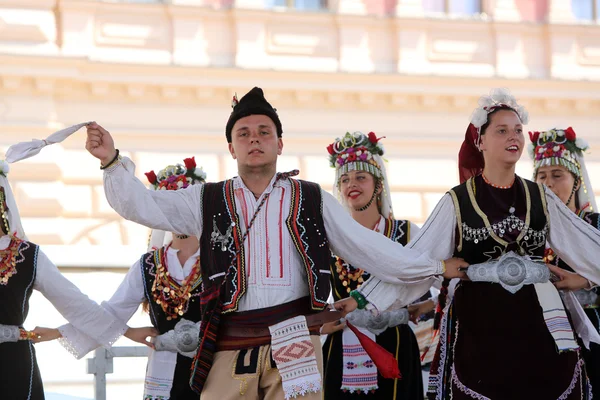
x,y
442,297
494,111
4,212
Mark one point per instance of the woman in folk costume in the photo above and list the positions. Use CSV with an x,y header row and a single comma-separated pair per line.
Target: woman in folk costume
x,y
23,268
505,334
361,185
558,163
167,281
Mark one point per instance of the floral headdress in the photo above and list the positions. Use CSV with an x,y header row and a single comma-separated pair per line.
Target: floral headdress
x,y
359,152
175,177
497,98
470,159
557,147
356,152
563,147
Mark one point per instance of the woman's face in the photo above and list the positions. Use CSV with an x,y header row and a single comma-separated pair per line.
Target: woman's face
x,y
357,188
558,179
503,141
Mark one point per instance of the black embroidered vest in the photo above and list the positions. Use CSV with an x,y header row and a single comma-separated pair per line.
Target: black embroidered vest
x,y
14,296
158,317
480,239
396,230
221,238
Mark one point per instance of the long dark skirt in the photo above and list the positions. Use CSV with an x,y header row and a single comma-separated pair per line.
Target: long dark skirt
x,y
402,343
181,389
495,345
19,374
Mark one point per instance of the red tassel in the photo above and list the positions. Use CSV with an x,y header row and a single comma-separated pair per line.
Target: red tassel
x,y
385,362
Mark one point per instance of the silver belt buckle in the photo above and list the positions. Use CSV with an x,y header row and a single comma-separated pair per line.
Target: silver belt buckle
x,y
511,271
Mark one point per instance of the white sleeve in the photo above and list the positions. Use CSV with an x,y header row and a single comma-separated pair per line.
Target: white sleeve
x,y
372,251
85,315
572,239
437,237
414,230
177,211
122,305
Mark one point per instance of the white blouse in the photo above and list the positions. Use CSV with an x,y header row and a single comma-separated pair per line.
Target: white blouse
x,y
573,240
77,308
275,272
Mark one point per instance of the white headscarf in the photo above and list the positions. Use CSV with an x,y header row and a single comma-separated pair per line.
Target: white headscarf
x,y
14,218
21,151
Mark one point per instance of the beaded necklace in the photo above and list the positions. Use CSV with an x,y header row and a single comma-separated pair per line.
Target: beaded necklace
x,y
498,186
8,263
173,297
347,273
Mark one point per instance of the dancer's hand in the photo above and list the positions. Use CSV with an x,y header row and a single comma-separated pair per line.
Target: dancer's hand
x,y
346,305
418,309
45,334
455,268
141,335
568,280
99,143
332,327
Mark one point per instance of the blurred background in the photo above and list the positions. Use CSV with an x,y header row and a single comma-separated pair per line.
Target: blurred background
x,y
160,76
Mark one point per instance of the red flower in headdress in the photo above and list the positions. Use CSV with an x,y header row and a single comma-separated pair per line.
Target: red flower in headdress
x,y
330,149
570,134
534,136
351,157
373,138
190,163
151,177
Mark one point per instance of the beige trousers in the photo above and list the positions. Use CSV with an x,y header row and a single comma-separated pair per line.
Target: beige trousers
x,y
249,375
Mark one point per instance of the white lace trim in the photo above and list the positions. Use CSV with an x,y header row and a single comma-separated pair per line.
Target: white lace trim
x,y
479,396
75,343
434,380
295,389
354,389
74,347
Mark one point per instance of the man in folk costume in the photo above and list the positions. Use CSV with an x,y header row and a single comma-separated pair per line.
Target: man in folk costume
x,y
265,241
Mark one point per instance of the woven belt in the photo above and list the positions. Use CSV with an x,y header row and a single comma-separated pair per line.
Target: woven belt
x,y
511,271
313,321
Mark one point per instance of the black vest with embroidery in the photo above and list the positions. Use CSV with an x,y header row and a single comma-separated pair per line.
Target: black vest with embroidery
x,y
480,240
158,317
221,239
396,230
14,295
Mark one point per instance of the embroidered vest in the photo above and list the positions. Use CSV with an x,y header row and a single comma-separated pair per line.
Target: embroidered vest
x,y
221,239
158,317
14,296
396,230
479,240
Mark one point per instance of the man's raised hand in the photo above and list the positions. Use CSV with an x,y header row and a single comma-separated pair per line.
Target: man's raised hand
x,y
100,144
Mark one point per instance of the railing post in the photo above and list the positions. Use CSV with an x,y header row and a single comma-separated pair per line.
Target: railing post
x,y
100,365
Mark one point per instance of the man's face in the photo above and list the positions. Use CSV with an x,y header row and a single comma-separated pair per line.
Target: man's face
x,y
254,142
